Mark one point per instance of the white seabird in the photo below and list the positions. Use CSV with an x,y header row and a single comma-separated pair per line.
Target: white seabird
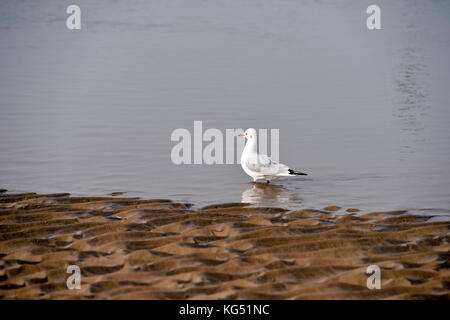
x,y
260,166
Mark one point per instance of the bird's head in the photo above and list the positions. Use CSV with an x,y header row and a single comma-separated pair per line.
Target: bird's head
x,y
249,134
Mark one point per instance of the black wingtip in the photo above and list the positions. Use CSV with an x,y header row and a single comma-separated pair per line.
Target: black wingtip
x,y
296,173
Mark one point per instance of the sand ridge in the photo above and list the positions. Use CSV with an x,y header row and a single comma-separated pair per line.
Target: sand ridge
x,y
129,248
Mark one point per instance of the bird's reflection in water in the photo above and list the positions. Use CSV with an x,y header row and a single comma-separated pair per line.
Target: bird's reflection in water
x,y
269,193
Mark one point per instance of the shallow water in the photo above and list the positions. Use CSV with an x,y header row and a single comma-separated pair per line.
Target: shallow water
x,y
364,113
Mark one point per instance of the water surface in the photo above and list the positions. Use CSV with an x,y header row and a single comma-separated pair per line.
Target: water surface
x,y
365,113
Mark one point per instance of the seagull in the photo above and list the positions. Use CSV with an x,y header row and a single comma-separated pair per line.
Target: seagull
x,y
260,166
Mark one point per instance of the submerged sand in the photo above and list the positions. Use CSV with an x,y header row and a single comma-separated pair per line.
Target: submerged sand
x,y
158,249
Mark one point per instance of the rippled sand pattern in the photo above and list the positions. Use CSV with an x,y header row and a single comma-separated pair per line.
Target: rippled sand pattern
x,y
158,249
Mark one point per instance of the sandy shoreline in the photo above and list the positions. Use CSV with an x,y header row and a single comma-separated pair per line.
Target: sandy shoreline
x,y
128,248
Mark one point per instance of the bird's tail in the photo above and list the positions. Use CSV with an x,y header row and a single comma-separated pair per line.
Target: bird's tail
x,y
296,173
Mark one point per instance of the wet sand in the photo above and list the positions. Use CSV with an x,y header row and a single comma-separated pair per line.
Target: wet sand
x,y
128,248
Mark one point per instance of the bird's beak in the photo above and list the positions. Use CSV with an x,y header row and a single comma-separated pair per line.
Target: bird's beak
x,y
242,135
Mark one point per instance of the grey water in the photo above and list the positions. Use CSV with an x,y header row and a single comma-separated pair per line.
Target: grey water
x,y
364,112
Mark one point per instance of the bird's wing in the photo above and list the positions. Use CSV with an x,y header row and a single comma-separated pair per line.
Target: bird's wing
x,y
264,165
